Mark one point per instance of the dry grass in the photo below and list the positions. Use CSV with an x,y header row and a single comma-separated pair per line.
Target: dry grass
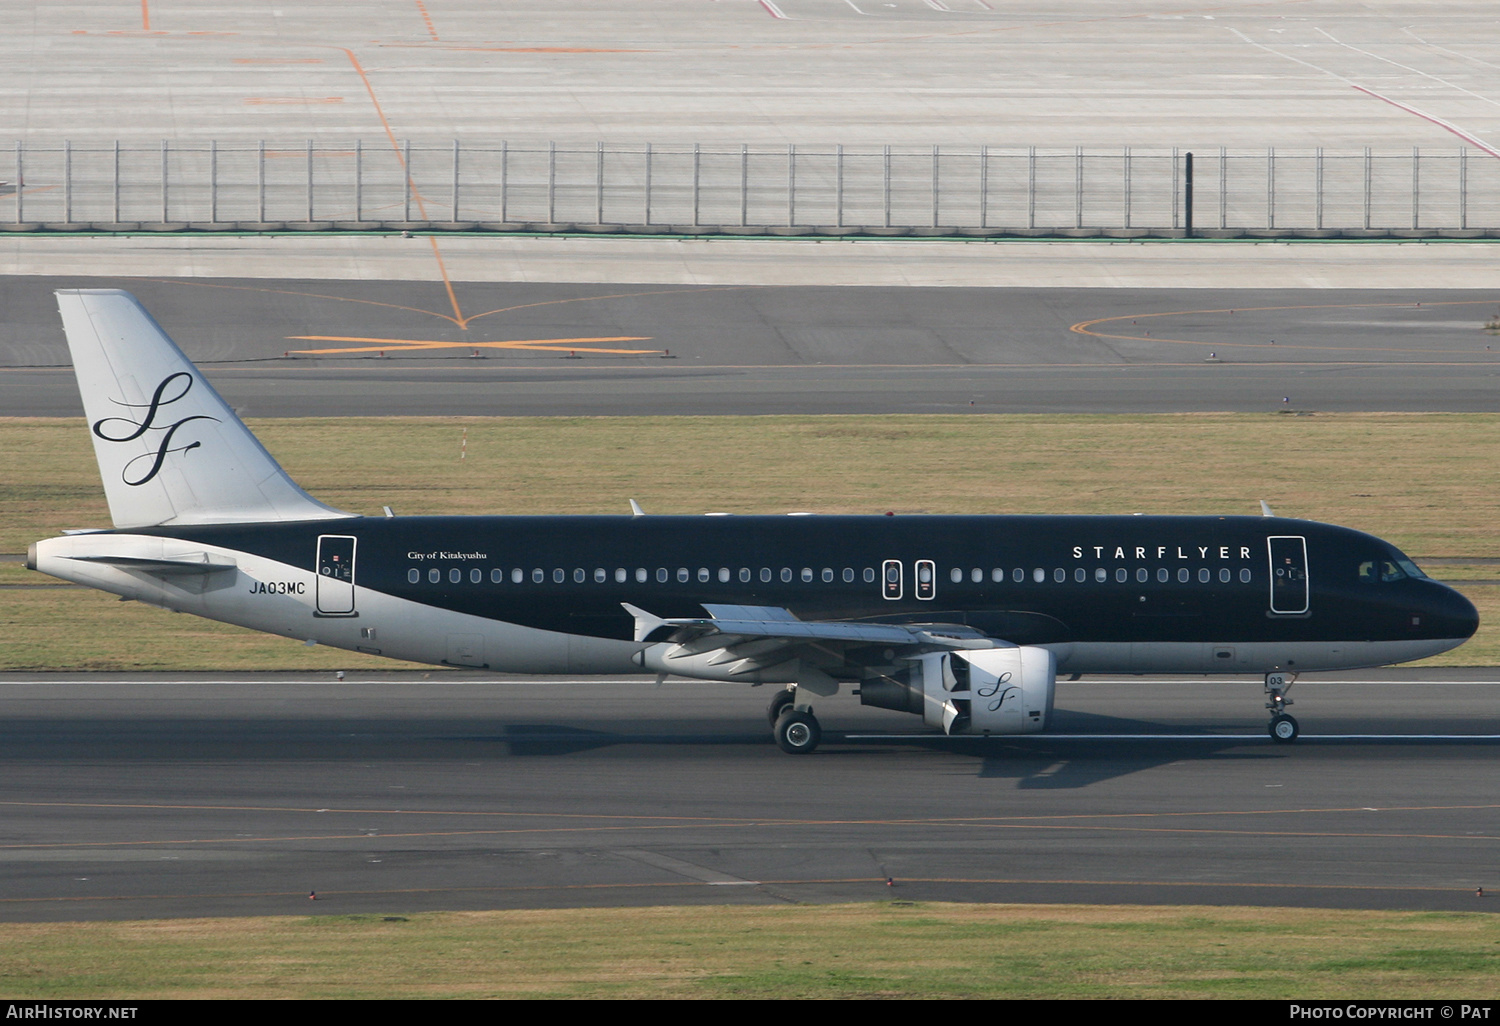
x,y
1426,482
851,951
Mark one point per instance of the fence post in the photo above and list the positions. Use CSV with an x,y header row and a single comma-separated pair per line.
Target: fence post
x,y
887,186
116,207
791,184
696,165
164,181
1127,187
1416,186
935,187
1187,195
406,180
504,178
838,185
1031,187
260,182
648,183
984,185
1369,175
309,181
1270,187
67,181
599,183
455,180
552,183
213,181
1318,186
1078,186
744,183
1463,187
359,180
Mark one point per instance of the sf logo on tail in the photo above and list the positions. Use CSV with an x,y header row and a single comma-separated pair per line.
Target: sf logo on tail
x,y
178,385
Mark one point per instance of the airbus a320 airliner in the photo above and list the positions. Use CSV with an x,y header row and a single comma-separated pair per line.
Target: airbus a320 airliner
x,y
965,621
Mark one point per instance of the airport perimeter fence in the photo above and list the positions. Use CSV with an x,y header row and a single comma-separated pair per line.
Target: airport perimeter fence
x,y
749,190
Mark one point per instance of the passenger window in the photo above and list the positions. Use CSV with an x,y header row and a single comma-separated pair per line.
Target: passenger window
x,y
1039,575
955,575
807,574
1224,575
455,575
662,573
434,575
1142,574
476,575
497,576
517,576
413,576
1018,575
559,575
1204,575
765,574
1080,574
640,575
1245,576
723,575
786,574
1059,575
744,574
827,575
1101,575
1184,575
848,575
703,575
600,575
976,575
620,575
579,576
1122,575
682,575
869,575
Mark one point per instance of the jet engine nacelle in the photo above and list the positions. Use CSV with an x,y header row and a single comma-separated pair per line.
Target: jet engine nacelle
x,y
978,691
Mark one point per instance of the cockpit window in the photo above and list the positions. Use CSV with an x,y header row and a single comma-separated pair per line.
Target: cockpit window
x,y
1394,568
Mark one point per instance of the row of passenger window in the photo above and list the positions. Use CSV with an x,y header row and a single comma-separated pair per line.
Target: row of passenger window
x,y
704,575
1100,575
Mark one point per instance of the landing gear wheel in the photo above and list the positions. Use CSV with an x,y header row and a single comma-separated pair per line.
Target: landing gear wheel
x,y
797,733
784,698
1283,729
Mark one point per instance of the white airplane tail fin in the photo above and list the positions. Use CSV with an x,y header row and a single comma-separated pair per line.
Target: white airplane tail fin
x,y
170,450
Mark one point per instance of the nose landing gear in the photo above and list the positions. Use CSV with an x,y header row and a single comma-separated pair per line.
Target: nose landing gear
x,y
1283,726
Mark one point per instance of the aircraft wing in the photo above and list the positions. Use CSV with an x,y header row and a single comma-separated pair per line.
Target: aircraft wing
x,y
744,639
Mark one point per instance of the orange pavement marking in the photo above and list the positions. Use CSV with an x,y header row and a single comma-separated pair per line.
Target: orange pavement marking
x,y
402,345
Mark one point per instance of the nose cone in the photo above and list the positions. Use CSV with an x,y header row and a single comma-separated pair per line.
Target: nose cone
x,y
1449,614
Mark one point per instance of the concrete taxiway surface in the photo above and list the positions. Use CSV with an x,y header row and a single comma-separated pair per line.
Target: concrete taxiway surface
x,y
309,348
147,797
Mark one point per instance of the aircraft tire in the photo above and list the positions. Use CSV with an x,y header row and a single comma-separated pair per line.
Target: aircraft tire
x,y
1283,729
782,699
797,733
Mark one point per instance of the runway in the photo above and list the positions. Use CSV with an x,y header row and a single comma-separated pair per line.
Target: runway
x,y
222,795
285,348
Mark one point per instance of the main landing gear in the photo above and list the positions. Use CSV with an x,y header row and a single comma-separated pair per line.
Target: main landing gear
x,y
1283,726
797,731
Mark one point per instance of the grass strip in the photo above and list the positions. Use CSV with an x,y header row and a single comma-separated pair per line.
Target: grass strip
x,y
891,949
